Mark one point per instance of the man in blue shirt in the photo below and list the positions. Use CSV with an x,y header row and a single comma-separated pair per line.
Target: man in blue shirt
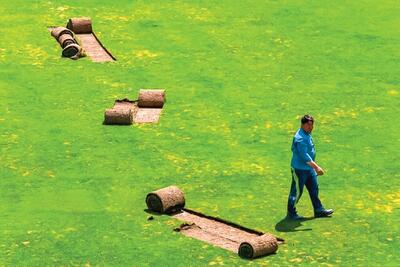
x,y
305,171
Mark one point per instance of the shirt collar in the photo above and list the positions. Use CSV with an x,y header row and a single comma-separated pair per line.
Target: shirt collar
x,y
304,132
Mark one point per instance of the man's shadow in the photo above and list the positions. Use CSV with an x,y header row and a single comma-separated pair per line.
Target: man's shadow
x,y
290,225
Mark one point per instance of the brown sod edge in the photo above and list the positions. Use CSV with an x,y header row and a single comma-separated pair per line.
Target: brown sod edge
x,y
122,113
140,115
258,246
151,98
92,46
150,103
248,243
166,200
147,115
235,225
225,234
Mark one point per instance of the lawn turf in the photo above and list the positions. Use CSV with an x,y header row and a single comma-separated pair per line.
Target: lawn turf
x,y
238,75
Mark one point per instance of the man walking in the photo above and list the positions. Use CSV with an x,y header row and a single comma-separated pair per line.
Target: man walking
x,y
305,171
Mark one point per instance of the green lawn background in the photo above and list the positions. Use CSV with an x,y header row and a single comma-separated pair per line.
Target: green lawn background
x,y
238,75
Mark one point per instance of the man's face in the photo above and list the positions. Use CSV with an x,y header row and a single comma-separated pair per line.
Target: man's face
x,y
308,126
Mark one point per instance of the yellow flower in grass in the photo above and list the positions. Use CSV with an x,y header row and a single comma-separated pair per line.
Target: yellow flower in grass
x,y
145,54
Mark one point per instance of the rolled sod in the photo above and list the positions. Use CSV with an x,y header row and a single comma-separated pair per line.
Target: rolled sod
x,y
258,246
118,116
80,25
124,103
166,200
58,31
66,39
151,98
72,51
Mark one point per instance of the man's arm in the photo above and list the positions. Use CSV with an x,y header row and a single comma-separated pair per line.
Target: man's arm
x,y
315,166
302,147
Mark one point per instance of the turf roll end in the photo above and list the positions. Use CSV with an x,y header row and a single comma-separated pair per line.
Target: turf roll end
x,y
72,51
58,31
65,40
259,246
151,98
166,200
80,25
118,116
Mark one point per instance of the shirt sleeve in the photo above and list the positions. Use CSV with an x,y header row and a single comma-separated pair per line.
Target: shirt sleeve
x,y
302,149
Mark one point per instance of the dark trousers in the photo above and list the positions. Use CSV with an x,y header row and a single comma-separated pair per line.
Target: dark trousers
x,y
299,179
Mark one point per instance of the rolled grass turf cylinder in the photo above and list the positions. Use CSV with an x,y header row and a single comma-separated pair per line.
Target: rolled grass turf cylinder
x,y
124,103
166,200
118,116
66,39
258,246
151,98
72,51
58,31
80,25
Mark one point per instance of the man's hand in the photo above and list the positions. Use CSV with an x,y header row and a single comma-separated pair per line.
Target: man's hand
x,y
317,168
320,171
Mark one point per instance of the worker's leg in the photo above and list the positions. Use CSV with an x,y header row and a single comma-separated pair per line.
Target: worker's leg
x,y
296,190
312,187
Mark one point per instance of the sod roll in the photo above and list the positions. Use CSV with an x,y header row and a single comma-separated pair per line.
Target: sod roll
x,y
258,246
80,25
151,98
58,31
166,200
66,39
118,116
72,51
124,103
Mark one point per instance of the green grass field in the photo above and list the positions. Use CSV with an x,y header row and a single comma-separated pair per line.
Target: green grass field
x,y
238,75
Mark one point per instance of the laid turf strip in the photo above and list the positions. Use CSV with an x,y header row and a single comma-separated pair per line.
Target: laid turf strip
x,y
239,76
82,28
93,48
246,242
147,109
226,236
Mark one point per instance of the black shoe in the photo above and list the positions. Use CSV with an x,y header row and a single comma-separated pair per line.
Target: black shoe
x,y
294,217
323,213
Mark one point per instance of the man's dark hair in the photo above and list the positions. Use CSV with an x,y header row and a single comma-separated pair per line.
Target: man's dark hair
x,y
306,118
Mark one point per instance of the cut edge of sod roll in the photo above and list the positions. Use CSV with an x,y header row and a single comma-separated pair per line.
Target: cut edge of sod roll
x,y
151,98
80,25
58,31
72,51
258,246
118,116
166,200
66,39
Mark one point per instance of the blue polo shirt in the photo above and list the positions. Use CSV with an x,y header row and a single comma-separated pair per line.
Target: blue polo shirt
x,y
303,150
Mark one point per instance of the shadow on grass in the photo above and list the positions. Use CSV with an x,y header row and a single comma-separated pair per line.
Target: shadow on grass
x,y
152,212
289,225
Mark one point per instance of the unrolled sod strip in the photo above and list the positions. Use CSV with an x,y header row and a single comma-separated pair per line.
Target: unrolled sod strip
x,y
82,27
247,242
258,246
150,103
147,115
